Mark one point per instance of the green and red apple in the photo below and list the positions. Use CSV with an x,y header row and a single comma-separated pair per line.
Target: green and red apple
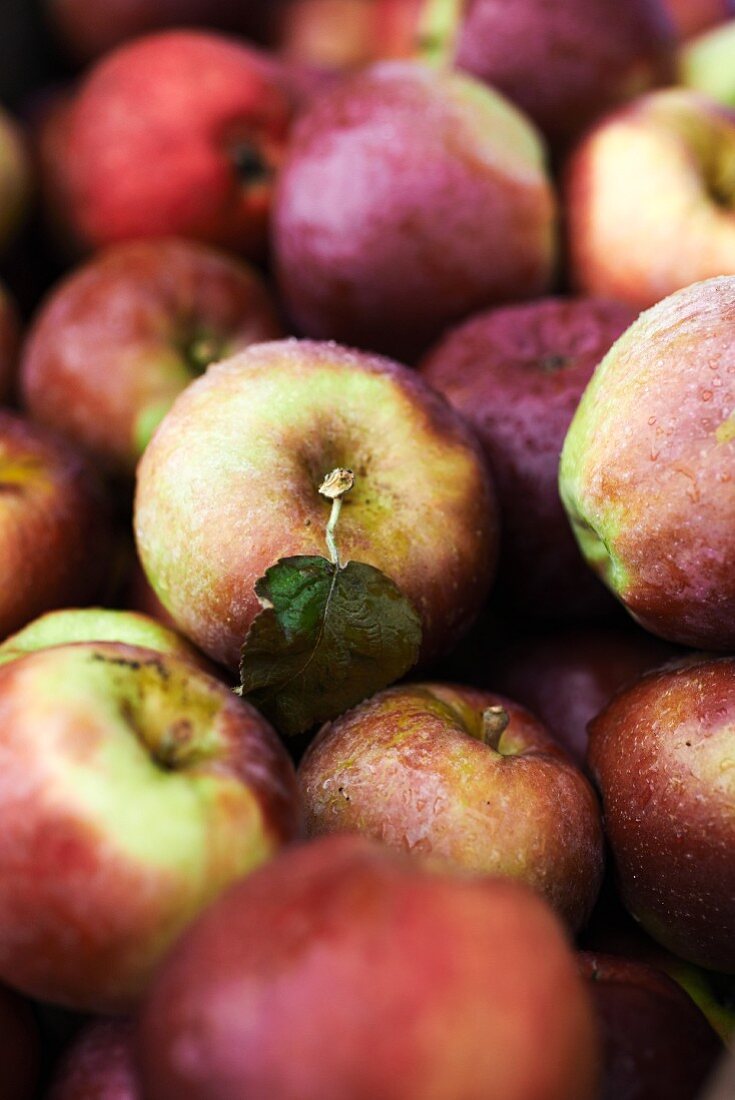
x,y
707,64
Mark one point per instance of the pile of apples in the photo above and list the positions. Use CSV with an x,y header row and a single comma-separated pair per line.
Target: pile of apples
x,y
367,550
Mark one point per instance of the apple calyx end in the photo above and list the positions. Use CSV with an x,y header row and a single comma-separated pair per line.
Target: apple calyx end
x,y
495,721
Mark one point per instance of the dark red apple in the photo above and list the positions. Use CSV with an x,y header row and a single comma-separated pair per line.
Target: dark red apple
x,y
663,756
693,16
9,344
20,1055
179,133
99,1065
517,374
119,339
412,198
656,1043
568,62
344,970
54,525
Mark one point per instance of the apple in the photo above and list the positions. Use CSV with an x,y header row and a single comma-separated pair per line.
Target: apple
x,y
99,1065
706,64
89,28
97,624
566,677
412,198
15,179
649,198
656,1043
229,485
568,62
120,337
134,789
20,1055
384,979
178,133
693,16
343,35
517,374
140,597
466,779
54,525
662,753
9,344
646,472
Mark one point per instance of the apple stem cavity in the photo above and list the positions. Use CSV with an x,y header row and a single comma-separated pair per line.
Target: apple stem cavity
x,y
250,165
437,31
334,487
495,722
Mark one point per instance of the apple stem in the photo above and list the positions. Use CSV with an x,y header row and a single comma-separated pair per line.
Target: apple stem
x,y
495,721
334,487
438,30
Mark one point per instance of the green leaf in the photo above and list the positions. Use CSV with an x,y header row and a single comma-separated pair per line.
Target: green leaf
x,y
328,637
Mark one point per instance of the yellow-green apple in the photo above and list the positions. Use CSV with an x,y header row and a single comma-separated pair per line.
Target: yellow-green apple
x,y
646,472
54,525
134,789
230,484
656,1044
412,198
693,16
650,195
384,979
97,624
119,338
15,179
99,1065
663,755
177,133
566,63
90,28
9,344
466,779
517,374
567,677
20,1055
707,64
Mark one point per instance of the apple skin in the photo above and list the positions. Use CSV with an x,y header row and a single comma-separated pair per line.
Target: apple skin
x,y
662,756
567,677
175,134
396,234
566,64
656,1043
118,339
96,624
99,1065
134,789
229,485
20,1055
16,181
387,981
345,35
9,344
646,469
90,28
54,525
410,768
693,16
706,64
517,374
649,198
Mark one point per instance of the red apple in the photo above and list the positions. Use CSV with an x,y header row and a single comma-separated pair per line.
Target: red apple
x,y
54,525
646,472
382,980
565,63
656,1043
178,133
567,677
99,1065
663,756
466,779
411,198
119,338
9,344
650,196
693,16
229,485
134,788
517,374
20,1056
